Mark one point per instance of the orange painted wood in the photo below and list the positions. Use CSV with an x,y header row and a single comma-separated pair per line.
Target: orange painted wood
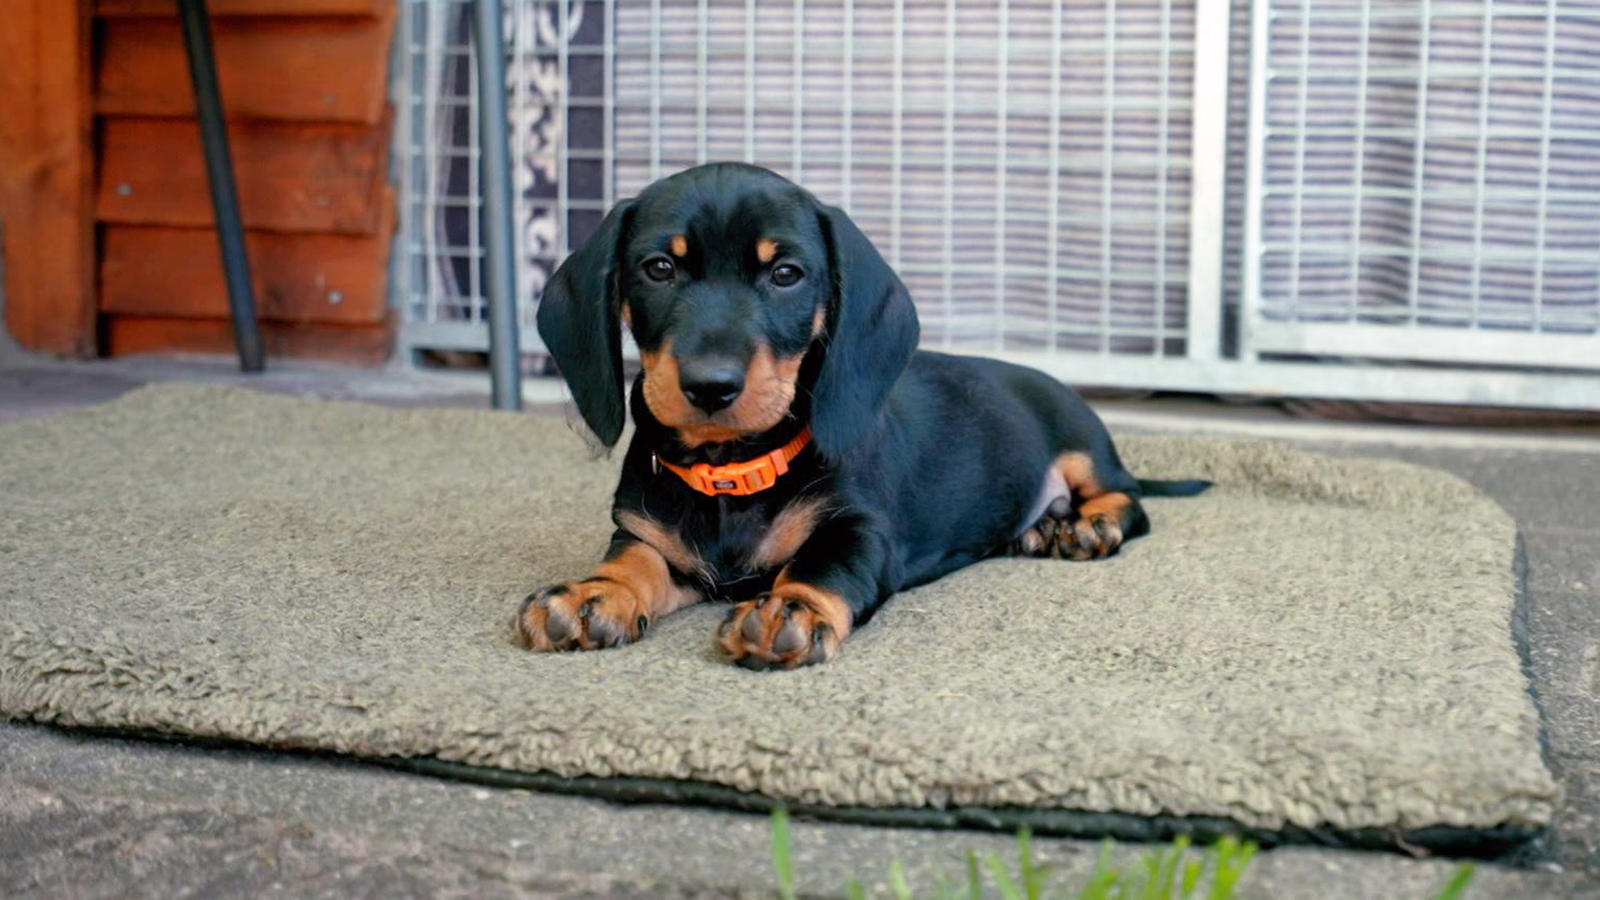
x,y
46,161
292,177
358,344
247,7
331,278
309,69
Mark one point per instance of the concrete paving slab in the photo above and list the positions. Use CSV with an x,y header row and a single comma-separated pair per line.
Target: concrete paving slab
x,y
1564,561
1542,490
38,392
101,816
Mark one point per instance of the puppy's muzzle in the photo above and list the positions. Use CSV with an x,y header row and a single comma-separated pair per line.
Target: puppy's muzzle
x,y
711,383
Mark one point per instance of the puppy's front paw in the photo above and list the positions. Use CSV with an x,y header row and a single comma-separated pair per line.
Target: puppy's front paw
x,y
581,615
794,625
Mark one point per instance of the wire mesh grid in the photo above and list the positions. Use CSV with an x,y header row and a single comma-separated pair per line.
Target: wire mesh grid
x,y
1430,164
1024,165
980,145
558,106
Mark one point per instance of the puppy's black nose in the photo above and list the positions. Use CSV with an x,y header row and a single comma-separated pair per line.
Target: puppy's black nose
x,y
711,384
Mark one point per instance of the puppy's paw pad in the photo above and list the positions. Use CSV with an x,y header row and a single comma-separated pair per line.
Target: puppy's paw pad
x,y
784,630
1039,540
583,615
1042,538
1090,537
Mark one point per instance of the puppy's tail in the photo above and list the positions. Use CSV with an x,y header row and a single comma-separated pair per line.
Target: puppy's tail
x,y
1163,487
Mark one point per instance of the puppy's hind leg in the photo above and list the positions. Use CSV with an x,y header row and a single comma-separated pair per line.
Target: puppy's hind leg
x,y
1077,514
1048,515
1105,499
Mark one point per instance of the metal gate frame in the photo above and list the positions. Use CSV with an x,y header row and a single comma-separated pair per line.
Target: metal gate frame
x,y
1462,365
1478,377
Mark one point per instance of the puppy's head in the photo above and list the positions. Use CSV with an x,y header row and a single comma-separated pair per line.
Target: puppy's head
x,y
729,276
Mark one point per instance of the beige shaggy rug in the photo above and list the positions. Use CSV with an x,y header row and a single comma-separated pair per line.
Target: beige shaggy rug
x,y
1317,647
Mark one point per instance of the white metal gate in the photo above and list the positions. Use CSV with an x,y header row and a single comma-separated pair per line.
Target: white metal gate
x,y
1426,182
1050,177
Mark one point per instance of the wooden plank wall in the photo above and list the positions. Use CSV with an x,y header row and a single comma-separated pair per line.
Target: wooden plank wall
x,y
333,72
304,85
46,161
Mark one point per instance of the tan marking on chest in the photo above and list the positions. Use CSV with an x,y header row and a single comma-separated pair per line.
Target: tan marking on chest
x,y
666,541
790,529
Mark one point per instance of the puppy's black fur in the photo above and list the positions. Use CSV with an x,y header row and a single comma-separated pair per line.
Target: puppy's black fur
x,y
920,463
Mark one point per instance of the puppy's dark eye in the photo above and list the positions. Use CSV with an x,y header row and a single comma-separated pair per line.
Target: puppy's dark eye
x,y
659,268
786,274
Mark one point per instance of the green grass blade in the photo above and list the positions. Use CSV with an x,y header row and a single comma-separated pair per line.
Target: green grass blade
x,y
1032,880
1002,878
897,881
1191,876
782,855
1103,878
1167,874
1456,887
1152,875
1233,857
1163,873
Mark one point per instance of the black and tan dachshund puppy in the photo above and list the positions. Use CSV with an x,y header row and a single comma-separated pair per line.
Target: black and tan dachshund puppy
x,y
794,453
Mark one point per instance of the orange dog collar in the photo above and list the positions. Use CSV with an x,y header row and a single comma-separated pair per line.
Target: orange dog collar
x,y
740,479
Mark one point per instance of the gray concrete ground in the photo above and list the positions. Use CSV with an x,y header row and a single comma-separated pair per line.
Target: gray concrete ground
x,y
84,815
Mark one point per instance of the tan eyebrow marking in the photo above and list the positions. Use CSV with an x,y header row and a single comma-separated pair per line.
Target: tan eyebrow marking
x,y
766,250
680,245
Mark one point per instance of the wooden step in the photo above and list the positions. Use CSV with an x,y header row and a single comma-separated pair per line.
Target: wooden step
x,y
294,177
220,8
311,69
331,278
356,344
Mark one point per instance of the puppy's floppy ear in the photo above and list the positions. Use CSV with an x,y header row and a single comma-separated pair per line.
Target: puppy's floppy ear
x,y
872,332
580,322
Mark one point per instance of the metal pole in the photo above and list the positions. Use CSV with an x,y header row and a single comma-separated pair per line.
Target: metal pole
x,y
1208,181
505,363
224,192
